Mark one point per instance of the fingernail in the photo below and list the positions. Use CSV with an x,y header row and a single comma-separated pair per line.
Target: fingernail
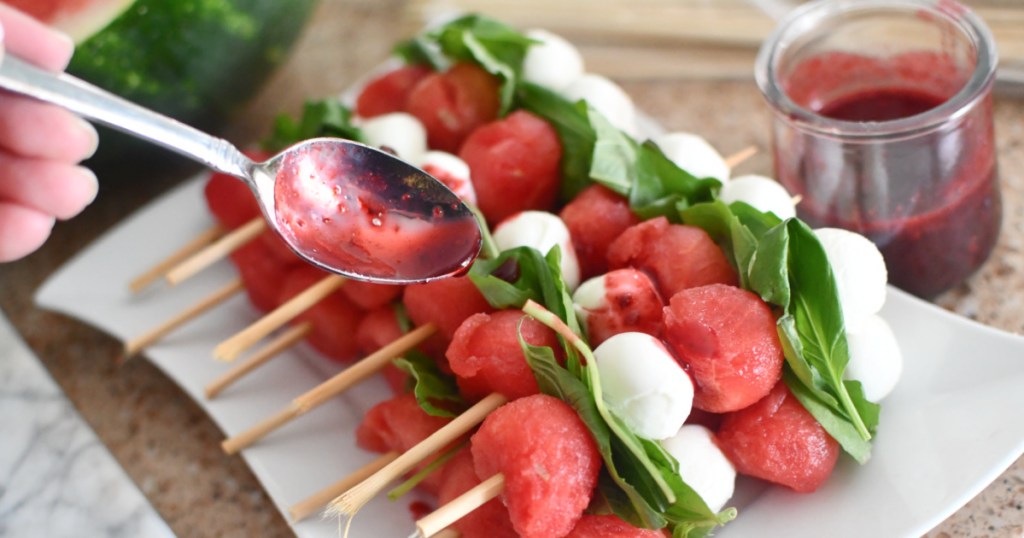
x,y
60,34
88,187
93,138
92,183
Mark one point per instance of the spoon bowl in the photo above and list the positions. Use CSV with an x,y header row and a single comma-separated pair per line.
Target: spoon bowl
x,y
343,206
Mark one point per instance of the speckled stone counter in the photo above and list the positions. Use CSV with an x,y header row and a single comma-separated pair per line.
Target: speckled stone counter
x,y
169,447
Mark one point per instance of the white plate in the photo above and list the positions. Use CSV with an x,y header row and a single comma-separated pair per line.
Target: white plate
x,y
949,429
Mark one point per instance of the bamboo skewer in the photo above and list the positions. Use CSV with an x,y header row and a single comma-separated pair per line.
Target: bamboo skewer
x,y
330,388
438,520
318,500
734,160
157,272
348,503
273,348
231,348
133,346
216,251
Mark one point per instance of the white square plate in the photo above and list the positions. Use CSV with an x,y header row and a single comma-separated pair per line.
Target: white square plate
x,y
949,429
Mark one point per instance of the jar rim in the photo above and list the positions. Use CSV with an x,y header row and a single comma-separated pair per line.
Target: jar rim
x,y
803,19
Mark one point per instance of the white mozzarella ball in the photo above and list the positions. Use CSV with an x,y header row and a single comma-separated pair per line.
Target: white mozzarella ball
x,y
607,97
588,297
694,154
860,273
450,170
763,193
702,465
401,132
542,231
553,62
875,358
643,384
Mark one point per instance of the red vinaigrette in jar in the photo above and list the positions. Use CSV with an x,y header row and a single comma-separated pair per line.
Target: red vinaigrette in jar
x,y
883,125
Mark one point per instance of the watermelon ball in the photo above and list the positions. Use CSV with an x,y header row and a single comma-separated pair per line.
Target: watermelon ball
x,y
763,193
552,62
368,295
624,300
726,337
702,465
377,328
694,154
397,132
399,424
261,274
230,201
390,91
489,520
777,440
278,249
875,358
548,458
450,105
446,303
643,385
542,231
595,218
676,256
486,357
609,526
334,318
516,165
450,170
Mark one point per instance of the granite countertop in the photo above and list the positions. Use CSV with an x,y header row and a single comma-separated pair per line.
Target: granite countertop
x,y
170,449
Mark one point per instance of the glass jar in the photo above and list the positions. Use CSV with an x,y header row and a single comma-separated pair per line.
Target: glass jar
x,y
882,125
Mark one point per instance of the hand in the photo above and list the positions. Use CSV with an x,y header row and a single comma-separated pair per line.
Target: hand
x,y
40,145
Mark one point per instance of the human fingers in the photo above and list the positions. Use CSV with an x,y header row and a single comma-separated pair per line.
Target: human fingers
x,y
54,188
22,230
34,129
34,41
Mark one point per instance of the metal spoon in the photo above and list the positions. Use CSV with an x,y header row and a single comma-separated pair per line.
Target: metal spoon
x,y
346,207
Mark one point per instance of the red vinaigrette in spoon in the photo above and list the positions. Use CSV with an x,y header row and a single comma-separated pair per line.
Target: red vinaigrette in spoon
x,y
381,222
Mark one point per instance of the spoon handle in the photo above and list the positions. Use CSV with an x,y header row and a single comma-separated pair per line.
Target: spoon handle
x,y
87,100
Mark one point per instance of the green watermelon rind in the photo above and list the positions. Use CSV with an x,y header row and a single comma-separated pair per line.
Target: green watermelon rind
x,y
195,60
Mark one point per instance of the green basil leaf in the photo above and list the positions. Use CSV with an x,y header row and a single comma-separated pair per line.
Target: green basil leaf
x,y
319,118
818,321
837,425
537,277
757,221
662,188
493,45
615,155
490,276
574,132
769,267
437,393
423,51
